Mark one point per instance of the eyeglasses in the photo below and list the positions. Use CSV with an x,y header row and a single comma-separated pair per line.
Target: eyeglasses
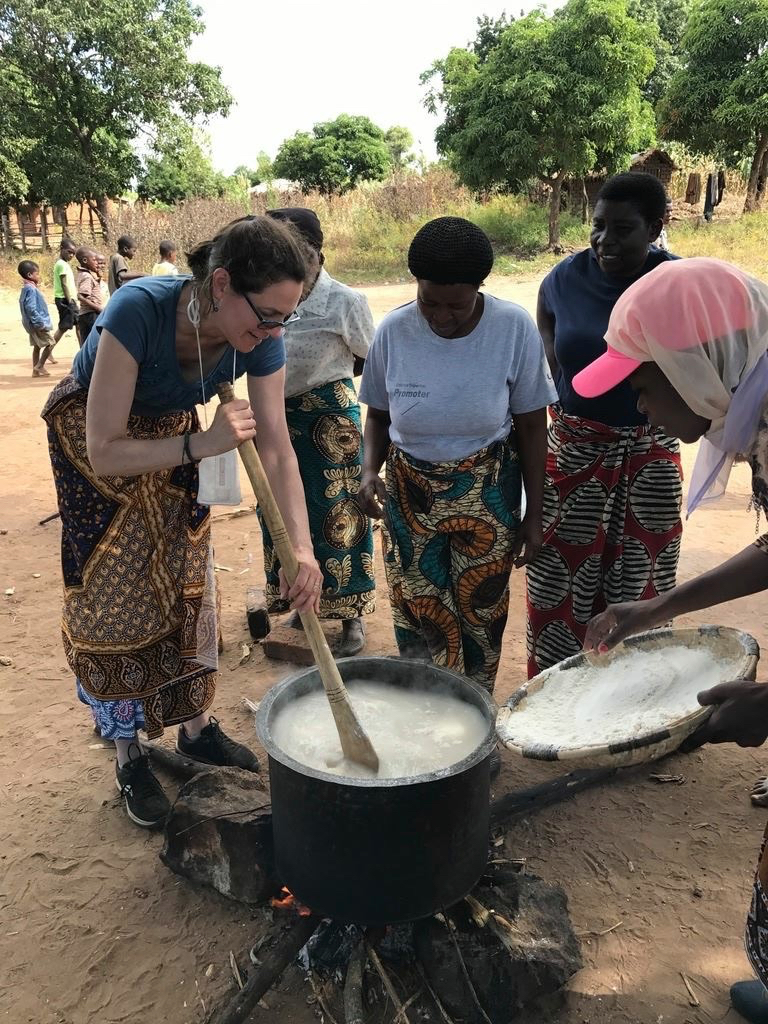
x,y
269,325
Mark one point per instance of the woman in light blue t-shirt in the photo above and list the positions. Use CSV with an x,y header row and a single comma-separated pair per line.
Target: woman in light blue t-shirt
x,y
139,624
457,387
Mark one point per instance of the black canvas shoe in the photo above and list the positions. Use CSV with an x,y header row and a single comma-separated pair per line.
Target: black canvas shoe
x,y
213,746
145,802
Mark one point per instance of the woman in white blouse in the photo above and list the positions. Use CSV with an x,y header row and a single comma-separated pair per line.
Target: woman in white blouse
x,y
324,348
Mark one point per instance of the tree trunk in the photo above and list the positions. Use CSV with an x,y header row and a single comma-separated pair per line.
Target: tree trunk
x,y
22,232
6,238
101,208
751,202
762,182
554,210
44,246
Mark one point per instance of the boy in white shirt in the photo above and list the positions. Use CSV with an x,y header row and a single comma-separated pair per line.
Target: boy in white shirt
x,y
167,263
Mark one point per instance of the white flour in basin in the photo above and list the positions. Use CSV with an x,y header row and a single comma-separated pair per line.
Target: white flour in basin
x,y
639,693
412,731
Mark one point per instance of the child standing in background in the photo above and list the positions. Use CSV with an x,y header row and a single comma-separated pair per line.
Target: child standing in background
x,y
35,318
88,291
118,263
101,261
64,291
167,264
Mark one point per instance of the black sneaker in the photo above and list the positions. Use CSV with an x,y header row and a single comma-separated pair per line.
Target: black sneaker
x,y
213,746
145,802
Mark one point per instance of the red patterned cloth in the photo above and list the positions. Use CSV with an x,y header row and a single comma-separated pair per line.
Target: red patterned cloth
x,y
612,529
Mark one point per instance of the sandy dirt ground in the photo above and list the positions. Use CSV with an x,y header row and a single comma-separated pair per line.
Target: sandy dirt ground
x,y
93,928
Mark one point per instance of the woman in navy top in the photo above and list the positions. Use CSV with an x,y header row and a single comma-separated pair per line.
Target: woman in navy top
x,y
614,485
140,625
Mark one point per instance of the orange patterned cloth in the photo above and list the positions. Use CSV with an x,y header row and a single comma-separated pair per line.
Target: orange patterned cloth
x,y
139,619
449,532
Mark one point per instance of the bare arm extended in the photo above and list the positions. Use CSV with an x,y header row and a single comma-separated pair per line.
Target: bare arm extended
x,y
742,575
266,395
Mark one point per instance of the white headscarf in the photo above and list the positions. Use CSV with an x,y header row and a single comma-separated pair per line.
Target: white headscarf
x,y
705,324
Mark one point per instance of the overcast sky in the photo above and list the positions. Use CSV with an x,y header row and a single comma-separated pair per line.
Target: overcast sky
x,y
290,64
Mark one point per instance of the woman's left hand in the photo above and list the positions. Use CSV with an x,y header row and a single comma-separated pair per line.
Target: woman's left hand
x,y
528,540
307,588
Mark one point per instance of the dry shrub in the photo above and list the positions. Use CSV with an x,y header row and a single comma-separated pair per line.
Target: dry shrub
x,y
187,224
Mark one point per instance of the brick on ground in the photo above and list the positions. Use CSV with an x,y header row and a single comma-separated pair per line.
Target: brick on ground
x,y
287,644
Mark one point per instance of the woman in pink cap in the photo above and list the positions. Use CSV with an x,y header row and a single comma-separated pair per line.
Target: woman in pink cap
x,y
691,338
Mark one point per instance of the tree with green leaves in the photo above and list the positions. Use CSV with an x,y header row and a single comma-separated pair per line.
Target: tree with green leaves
x,y
399,142
666,20
83,81
488,33
261,173
178,167
336,156
718,102
557,96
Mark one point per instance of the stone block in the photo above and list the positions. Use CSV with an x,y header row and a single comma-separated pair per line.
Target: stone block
x,y
512,963
219,833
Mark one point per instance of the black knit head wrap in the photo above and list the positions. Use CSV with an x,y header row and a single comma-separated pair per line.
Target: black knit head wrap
x,y
451,250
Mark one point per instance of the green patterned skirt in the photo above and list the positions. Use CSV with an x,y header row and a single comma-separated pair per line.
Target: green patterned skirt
x,y
448,544
325,430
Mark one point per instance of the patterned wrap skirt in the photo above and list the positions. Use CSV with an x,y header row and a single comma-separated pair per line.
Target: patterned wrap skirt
x,y
612,529
756,938
324,425
449,533
139,622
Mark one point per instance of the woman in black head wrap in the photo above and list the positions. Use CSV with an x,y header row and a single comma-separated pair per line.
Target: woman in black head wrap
x,y
457,387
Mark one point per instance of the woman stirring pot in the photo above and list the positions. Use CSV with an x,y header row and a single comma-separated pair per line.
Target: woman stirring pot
x,y
139,623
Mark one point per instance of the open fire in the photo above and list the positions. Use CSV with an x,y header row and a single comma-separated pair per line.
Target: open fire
x,y
477,961
501,948
287,901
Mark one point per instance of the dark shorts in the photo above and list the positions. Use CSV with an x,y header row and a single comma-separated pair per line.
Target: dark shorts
x,y
85,324
67,315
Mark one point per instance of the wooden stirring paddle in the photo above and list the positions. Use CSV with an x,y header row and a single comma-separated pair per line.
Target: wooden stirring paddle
x,y
354,742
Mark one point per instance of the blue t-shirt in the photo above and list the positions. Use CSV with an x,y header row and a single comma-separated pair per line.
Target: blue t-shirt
x,y
142,316
449,397
581,296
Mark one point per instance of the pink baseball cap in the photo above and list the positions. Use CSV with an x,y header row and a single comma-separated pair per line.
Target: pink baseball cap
x,y
682,304
606,372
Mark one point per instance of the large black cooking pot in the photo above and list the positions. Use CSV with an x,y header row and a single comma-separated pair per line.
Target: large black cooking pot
x,y
379,851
